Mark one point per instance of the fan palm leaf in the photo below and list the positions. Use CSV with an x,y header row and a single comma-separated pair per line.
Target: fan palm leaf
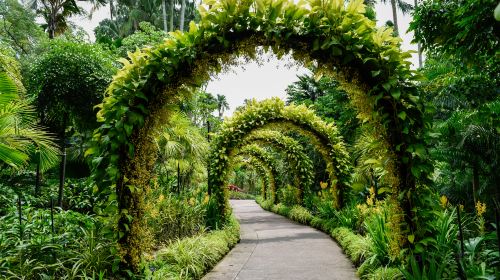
x,y
20,138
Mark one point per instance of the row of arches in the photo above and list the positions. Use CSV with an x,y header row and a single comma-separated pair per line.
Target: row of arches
x,y
334,36
272,114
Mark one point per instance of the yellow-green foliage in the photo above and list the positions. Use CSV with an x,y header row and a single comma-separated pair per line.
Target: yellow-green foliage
x,y
281,209
357,247
190,258
264,171
337,35
267,161
11,66
300,214
292,149
385,273
273,112
265,204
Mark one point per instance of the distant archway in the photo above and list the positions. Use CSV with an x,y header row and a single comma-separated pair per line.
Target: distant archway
x,y
272,113
266,161
296,157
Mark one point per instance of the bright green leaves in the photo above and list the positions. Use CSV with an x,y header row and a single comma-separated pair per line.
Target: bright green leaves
x,y
338,34
273,114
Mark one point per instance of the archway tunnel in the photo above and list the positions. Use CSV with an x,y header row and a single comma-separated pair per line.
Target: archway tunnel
x,y
338,39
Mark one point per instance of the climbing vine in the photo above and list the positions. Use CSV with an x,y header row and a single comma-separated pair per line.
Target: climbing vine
x,y
293,151
336,36
262,170
272,113
265,160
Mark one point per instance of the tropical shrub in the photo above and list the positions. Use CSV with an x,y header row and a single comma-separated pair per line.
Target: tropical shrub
x,y
190,258
300,214
175,216
289,196
71,244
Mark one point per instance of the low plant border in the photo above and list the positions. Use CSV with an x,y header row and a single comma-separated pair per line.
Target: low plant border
x,y
350,242
205,251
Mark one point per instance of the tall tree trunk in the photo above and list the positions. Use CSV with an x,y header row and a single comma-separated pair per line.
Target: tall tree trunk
x,y
111,9
52,28
183,11
164,13
171,28
419,47
395,16
62,169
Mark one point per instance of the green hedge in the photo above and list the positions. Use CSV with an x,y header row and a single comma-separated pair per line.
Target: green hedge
x,y
191,258
357,247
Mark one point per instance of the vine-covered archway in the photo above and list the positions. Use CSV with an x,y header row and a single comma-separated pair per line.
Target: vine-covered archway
x,y
273,113
339,38
292,149
263,171
267,161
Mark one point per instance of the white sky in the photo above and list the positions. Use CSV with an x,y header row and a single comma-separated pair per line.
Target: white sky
x,y
272,77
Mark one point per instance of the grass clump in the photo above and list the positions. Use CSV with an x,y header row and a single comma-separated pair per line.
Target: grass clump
x,y
191,258
385,273
281,209
300,214
358,248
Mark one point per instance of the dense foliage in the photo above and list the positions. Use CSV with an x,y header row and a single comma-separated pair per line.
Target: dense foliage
x,y
399,166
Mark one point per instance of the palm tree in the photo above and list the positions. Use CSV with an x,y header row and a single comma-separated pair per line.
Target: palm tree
x,y
222,104
183,13
306,88
56,13
403,6
21,140
164,14
182,147
171,4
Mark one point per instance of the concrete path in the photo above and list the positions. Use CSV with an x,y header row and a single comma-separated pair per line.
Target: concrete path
x,y
273,247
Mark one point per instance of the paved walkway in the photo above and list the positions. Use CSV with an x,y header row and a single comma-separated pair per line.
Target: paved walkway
x,y
273,247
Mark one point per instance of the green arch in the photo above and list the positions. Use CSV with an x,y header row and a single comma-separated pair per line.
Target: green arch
x,y
273,113
262,158
294,152
339,38
258,166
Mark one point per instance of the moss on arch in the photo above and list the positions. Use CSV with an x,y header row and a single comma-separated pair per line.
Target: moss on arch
x,y
338,37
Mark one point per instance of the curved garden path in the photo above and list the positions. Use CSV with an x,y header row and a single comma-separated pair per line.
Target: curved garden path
x,y
273,247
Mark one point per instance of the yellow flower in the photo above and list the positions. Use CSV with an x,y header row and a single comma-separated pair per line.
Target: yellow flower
x,y
191,201
323,185
370,200
444,201
160,198
480,208
205,200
